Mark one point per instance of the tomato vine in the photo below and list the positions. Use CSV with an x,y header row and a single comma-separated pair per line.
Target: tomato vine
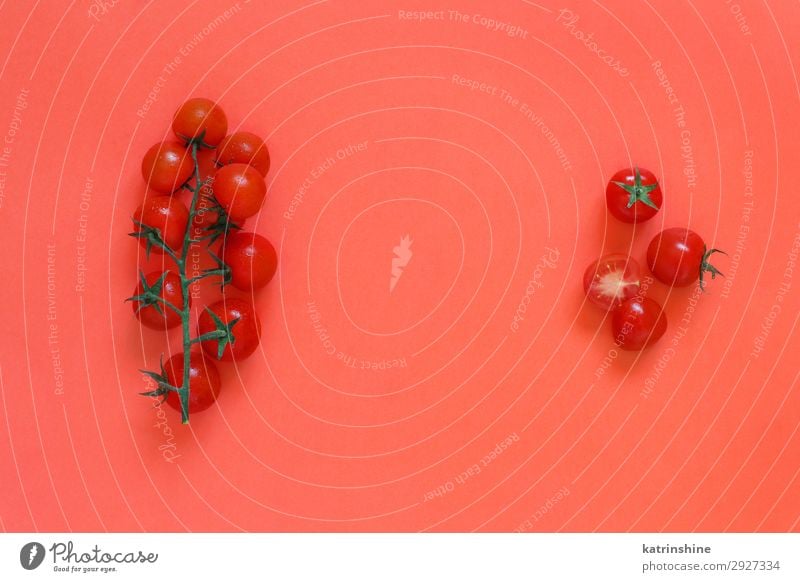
x,y
165,169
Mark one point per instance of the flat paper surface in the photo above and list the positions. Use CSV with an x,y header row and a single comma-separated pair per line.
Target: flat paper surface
x,y
468,386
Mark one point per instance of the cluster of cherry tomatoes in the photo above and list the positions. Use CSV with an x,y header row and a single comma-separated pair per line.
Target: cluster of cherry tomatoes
x,y
224,175
677,257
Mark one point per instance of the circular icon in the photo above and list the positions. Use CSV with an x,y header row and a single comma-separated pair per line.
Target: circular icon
x,y
31,555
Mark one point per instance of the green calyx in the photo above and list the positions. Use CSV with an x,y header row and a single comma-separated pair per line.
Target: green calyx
x,y
151,295
163,387
706,267
221,226
639,192
223,334
222,270
152,237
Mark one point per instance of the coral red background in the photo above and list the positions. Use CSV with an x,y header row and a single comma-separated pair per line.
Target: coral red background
x,y
698,433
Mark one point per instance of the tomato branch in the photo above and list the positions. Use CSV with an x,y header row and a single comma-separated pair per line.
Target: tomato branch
x,y
223,184
185,283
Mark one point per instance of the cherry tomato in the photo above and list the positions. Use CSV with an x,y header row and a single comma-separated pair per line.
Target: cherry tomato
x,y
204,381
160,317
679,257
240,189
168,215
251,258
244,147
637,323
202,120
167,166
246,331
611,280
633,195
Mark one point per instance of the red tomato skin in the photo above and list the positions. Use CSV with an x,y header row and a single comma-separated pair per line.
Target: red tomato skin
x,y
618,267
170,291
240,189
244,147
675,255
617,198
200,115
167,166
204,381
638,323
246,331
166,213
251,258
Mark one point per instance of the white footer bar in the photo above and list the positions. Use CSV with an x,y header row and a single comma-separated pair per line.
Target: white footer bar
x,y
401,557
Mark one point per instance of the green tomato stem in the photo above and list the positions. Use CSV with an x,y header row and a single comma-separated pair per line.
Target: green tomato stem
x,y
206,274
186,281
211,335
707,267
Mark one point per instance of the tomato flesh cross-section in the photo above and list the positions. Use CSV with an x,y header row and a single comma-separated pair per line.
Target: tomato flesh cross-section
x,y
611,280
